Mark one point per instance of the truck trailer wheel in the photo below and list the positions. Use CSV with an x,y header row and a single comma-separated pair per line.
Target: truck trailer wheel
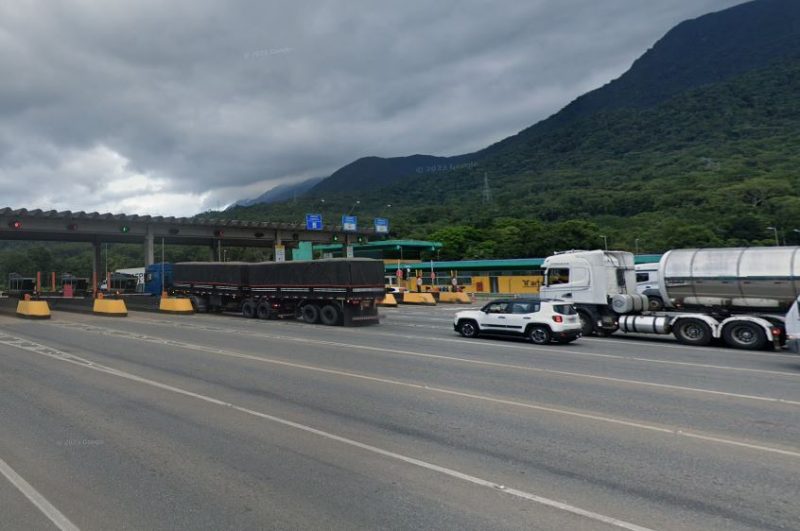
x,y
310,313
692,332
263,310
744,335
330,315
249,309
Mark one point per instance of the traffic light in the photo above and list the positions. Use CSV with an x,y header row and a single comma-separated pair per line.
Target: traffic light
x,y
360,239
335,238
15,224
125,229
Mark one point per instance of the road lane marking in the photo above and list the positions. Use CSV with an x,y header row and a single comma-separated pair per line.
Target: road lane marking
x,y
81,362
41,503
528,368
677,431
551,350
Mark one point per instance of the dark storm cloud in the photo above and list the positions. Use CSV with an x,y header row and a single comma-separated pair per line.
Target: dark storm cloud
x,y
173,108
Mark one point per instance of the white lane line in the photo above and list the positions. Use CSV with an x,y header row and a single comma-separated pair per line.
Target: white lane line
x,y
527,405
75,360
529,368
551,350
47,508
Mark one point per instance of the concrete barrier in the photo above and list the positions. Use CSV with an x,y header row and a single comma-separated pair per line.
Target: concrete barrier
x,y
110,307
388,301
425,299
175,305
457,297
33,309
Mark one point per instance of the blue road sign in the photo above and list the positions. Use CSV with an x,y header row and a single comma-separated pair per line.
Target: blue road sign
x,y
313,221
349,223
381,225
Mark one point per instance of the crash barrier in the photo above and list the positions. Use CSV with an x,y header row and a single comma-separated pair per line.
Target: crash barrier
x,y
110,307
175,305
425,299
389,301
458,297
29,309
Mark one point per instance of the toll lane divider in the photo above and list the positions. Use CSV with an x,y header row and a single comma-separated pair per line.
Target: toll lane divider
x,y
175,305
425,299
30,309
388,301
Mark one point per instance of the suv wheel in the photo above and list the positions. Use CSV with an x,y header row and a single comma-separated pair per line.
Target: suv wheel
x,y
468,329
539,335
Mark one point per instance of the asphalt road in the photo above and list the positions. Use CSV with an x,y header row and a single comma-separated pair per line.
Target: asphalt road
x,y
218,422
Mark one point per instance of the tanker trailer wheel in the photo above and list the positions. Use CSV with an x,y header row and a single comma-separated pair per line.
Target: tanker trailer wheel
x,y
744,335
249,309
329,315
692,332
310,313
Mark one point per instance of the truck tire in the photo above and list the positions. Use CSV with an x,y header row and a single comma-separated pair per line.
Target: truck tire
x,y
692,332
310,313
744,335
263,310
539,335
330,315
468,329
249,309
655,304
587,323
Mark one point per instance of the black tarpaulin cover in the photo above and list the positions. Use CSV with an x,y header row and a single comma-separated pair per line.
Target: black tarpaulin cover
x,y
343,272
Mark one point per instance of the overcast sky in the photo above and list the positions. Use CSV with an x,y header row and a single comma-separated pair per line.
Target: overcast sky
x,y
172,108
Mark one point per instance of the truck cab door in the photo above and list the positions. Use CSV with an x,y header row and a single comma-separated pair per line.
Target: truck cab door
x,y
568,283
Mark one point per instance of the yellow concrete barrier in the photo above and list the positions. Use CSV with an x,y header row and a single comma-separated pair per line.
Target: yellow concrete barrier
x,y
33,309
457,297
425,299
388,301
110,307
175,305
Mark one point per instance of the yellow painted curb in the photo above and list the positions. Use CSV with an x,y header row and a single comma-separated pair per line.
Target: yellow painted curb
x,y
388,301
175,305
457,297
110,307
426,299
33,309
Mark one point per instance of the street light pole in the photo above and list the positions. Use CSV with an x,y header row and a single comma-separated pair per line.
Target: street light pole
x,y
775,230
637,246
605,241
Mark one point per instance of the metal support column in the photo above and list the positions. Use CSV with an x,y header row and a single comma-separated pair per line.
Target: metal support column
x,y
149,253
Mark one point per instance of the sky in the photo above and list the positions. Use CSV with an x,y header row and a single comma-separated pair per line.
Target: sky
x,y
174,108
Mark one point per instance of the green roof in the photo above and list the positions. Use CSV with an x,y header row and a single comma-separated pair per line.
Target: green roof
x,y
498,265
383,244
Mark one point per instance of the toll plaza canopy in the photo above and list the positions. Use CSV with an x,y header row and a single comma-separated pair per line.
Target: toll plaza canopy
x,y
383,249
95,228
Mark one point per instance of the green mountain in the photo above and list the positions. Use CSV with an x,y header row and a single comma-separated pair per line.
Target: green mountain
x,y
694,145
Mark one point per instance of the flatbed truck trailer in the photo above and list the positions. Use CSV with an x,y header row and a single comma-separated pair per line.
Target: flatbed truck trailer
x,y
342,292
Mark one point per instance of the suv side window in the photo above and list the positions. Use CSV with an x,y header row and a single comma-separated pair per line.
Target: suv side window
x,y
497,307
524,307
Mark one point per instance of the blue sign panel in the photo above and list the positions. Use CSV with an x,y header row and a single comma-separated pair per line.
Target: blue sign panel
x,y
349,223
313,221
381,225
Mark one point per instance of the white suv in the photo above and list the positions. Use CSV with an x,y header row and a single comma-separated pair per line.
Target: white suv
x,y
542,321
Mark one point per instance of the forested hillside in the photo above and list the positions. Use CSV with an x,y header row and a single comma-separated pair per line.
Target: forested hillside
x,y
713,166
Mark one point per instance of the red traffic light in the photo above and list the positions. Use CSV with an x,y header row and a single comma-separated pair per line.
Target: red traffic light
x,y
15,224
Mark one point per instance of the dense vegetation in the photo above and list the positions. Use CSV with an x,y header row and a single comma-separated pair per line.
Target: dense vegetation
x,y
713,166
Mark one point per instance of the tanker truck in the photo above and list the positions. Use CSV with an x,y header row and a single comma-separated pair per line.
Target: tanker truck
x,y
739,296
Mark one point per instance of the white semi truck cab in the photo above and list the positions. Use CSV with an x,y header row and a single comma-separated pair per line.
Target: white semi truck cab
x,y
737,295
